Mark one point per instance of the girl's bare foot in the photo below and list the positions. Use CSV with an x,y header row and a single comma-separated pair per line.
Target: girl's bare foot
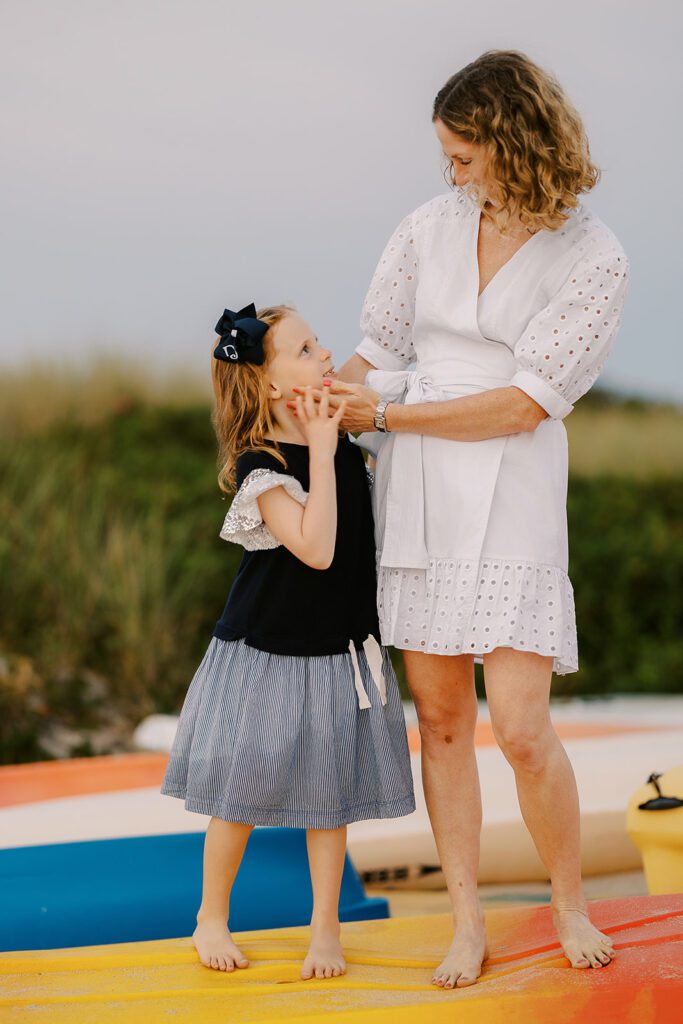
x,y
325,958
462,964
583,944
216,949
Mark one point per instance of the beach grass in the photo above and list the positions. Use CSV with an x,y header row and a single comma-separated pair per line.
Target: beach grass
x,y
112,574
37,395
607,433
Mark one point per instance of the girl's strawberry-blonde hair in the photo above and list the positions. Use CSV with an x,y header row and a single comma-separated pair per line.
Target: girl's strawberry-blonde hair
x,y
241,414
536,150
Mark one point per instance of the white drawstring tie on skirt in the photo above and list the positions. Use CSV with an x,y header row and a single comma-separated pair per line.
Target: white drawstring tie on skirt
x,y
373,653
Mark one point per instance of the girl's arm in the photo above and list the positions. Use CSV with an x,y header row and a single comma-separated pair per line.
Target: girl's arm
x,y
309,531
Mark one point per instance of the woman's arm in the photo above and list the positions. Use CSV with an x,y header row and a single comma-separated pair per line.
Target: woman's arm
x,y
493,413
354,369
504,411
558,358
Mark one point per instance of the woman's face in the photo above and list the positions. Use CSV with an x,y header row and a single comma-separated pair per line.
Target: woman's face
x,y
467,158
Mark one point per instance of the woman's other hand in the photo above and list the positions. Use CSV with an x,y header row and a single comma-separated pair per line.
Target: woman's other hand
x,y
359,403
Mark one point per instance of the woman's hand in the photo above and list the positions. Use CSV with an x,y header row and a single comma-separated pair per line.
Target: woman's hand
x,y
359,403
319,423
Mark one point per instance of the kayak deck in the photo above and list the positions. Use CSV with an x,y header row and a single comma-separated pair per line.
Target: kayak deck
x,y
527,976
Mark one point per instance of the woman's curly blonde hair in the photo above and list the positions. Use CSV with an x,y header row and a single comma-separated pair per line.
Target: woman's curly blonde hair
x,y
536,149
242,415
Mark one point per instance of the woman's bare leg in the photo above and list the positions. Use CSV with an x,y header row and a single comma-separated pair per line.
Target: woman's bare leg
x,y
326,851
223,850
517,691
442,688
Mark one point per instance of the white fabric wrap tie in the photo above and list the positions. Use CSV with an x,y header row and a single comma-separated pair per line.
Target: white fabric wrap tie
x,y
402,511
373,653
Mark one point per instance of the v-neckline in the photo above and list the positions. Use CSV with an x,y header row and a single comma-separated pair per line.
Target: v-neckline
x,y
477,225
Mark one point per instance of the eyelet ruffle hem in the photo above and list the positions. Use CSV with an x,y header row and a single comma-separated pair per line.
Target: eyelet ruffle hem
x,y
461,606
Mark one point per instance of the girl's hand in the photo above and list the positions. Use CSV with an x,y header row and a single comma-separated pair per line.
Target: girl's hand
x,y
359,403
321,428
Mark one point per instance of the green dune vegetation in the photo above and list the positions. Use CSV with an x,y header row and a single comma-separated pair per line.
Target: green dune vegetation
x,y
112,573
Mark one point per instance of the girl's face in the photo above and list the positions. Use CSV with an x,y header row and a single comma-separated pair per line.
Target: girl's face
x,y
467,159
298,358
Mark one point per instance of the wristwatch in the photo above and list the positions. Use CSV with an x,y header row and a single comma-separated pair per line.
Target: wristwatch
x,y
380,419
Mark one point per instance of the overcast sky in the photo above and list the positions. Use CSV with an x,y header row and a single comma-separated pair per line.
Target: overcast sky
x,y
163,159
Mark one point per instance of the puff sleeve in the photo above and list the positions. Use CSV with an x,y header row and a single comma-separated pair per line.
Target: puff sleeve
x,y
389,307
563,348
243,523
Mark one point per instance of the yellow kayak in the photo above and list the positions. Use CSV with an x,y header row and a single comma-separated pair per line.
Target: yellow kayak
x,y
654,823
527,977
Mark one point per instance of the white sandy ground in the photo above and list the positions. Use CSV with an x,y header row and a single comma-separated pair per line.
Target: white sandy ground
x,y
625,709
406,901
156,732
608,770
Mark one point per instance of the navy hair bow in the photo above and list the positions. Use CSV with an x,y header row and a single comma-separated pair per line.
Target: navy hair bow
x,y
241,336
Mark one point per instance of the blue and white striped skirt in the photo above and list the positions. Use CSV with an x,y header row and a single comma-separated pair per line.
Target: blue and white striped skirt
x,y
278,739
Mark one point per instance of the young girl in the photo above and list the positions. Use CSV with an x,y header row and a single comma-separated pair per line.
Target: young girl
x,y
294,716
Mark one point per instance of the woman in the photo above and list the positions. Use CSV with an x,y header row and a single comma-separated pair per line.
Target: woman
x,y
508,294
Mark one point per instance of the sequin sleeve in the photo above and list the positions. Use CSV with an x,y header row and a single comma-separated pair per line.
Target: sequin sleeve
x,y
243,523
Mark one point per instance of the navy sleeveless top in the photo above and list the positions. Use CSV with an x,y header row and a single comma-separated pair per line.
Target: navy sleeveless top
x,y
280,604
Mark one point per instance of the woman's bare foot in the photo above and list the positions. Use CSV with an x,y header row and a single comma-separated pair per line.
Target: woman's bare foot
x,y
216,949
461,965
584,945
325,958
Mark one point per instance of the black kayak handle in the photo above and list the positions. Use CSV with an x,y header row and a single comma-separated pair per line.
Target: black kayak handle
x,y
659,802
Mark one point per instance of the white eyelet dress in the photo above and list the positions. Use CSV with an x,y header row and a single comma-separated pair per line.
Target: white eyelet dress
x,y
471,536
